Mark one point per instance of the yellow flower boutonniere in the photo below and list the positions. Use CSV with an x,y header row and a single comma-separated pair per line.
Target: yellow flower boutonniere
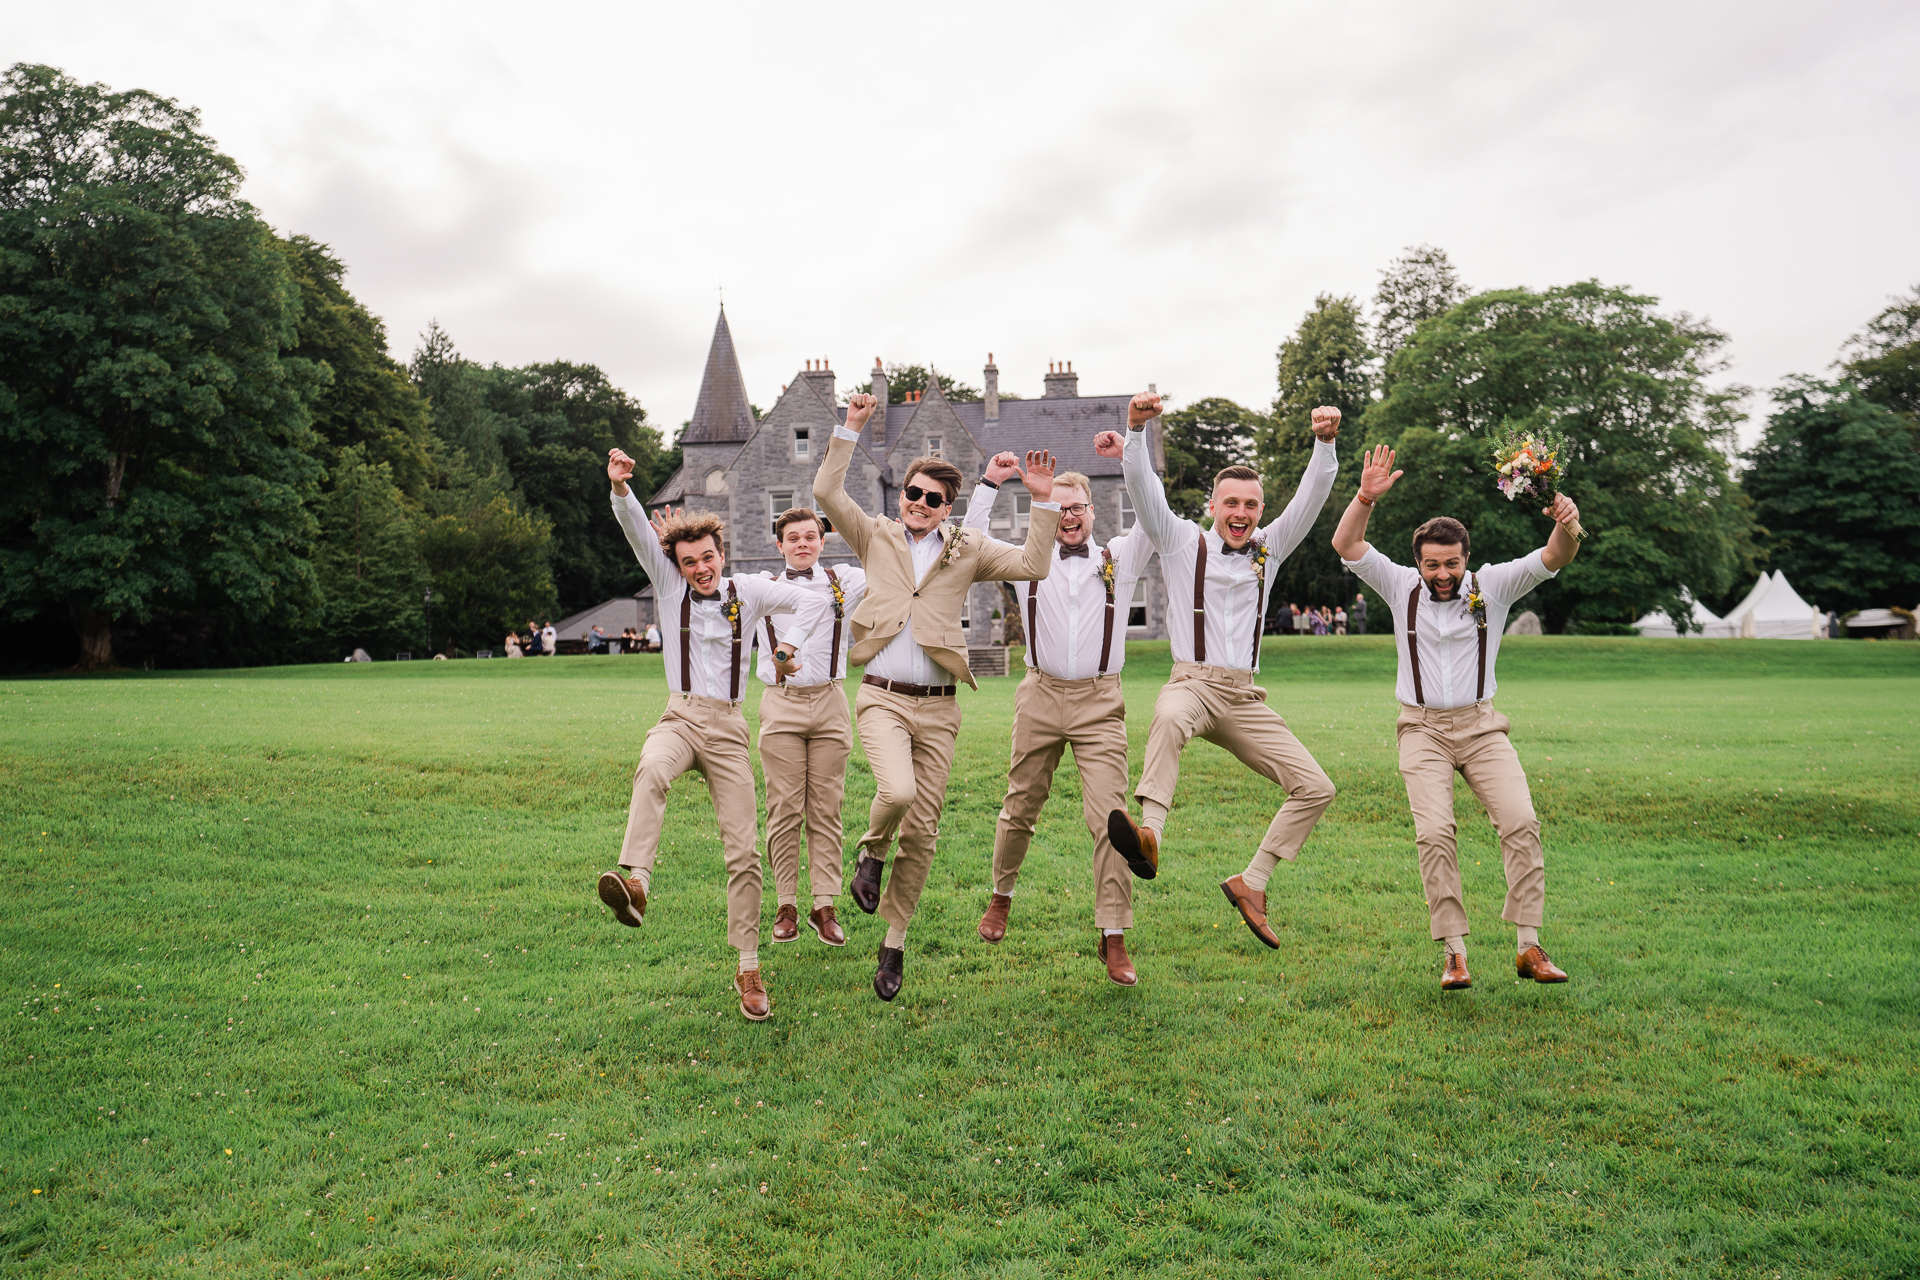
x,y
1259,557
953,533
732,612
1476,603
839,597
1106,569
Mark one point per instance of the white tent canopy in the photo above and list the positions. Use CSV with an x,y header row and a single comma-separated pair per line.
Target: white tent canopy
x,y
1773,610
1701,624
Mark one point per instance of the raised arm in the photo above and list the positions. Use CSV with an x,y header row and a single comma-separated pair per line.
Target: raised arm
x,y
830,485
634,523
1561,545
1029,562
1000,468
1143,482
1316,482
1376,477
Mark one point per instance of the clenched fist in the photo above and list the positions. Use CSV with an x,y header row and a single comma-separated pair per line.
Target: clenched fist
x,y
860,407
1326,422
1143,409
1108,444
1003,466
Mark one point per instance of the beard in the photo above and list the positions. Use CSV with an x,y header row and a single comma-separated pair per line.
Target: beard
x,y
1433,590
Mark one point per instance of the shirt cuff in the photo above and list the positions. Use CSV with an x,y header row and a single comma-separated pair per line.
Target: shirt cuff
x,y
1046,506
841,433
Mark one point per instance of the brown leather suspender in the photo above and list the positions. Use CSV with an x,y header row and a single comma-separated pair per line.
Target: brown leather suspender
x,y
833,659
1200,600
1259,611
1106,634
773,644
1413,645
686,642
1033,623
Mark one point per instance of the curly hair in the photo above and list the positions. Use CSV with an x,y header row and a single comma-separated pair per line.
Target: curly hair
x,y
692,526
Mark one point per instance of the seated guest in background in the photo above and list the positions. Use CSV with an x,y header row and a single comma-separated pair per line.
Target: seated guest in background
x,y
629,641
1340,621
532,648
549,639
512,646
1315,623
652,642
597,639
1302,621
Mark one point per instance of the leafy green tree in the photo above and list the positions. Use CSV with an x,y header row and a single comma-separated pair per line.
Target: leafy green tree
x,y
489,560
1835,483
1419,285
157,436
902,378
1200,440
1650,444
1327,362
1883,361
367,561
368,401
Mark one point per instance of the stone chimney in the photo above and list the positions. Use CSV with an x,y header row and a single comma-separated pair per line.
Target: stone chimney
x,y
819,376
877,424
1062,381
990,382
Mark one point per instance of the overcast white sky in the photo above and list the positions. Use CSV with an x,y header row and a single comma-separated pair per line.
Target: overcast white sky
x,y
1155,192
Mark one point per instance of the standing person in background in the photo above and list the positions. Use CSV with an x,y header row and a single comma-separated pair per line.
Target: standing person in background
x,y
1220,578
1357,616
1448,643
806,732
907,633
702,727
1340,621
1070,696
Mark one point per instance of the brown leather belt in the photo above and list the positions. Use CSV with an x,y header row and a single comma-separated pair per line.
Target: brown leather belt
x,y
912,690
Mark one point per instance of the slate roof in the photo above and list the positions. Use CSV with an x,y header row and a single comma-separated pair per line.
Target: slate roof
x,y
722,414
1065,425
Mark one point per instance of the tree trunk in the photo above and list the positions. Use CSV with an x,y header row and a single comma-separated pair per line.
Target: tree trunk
x,y
96,639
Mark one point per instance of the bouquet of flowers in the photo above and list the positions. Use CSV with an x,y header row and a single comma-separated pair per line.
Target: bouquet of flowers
x,y
1532,460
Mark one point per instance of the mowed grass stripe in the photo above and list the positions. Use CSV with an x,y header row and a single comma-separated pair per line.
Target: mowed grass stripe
x,y
340,922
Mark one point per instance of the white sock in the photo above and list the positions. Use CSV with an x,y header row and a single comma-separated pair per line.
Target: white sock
x,y
1526,935
822,900
644,876
1456,945
749,959
897,937
1154,814
1260,870
1113,933
788,900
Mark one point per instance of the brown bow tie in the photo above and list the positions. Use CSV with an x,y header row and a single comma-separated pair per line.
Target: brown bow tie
x,y
804,575
1245,550
1067,552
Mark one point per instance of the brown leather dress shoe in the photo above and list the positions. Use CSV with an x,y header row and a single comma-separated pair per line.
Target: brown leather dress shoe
x,y
866,884
1113,950
1139,845
1534,963
1252,906
755,1003
993,925
626,898
1456,978
786,924
890,973
827,925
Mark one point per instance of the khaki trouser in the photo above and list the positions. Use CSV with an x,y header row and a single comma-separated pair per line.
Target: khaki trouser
x,y
1227,709
710,735
806,738
909,745
1472,740
1048,715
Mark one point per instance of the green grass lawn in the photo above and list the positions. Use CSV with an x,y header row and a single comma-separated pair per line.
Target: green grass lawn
x,y
309,979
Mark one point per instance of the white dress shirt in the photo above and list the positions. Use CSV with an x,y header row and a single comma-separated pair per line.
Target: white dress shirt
x,y
1449,647
903,659
1070,613
710,662
819,647
1236,596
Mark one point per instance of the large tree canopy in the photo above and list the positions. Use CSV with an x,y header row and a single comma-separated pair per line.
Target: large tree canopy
x,y
1835,483
1883,360
1419,285
1650,439
1200,440
157,438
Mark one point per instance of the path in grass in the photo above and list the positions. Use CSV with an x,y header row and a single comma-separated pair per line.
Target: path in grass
x,y
309,979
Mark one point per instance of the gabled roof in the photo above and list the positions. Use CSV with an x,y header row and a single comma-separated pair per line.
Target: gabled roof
x,y
722,414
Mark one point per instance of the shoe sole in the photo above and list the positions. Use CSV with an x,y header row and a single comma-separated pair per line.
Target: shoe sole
x,y
795,938
883,995
1547,981
1126,842
1254,929
1456,986
824,938
751,1018
613,892
992,942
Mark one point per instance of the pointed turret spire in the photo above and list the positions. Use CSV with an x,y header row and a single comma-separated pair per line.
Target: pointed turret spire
x,y
721,415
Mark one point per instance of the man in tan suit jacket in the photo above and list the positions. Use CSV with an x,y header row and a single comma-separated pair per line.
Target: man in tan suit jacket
x,y
907,634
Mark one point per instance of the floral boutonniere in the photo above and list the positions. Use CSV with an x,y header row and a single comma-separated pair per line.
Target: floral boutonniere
x,y
953,534
1476,603
1259,556
1106,569
839,596
732,613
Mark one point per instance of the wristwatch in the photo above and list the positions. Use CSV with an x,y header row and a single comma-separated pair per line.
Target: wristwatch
x,y
990,484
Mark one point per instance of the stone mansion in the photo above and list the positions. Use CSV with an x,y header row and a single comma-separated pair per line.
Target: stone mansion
x,y
747,469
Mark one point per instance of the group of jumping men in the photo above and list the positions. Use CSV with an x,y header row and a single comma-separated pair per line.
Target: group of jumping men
x,y
897,615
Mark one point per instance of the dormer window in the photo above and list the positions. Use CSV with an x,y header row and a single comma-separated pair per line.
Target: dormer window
x,y
802,444
933,447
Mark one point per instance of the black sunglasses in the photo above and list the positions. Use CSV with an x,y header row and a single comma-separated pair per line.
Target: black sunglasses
x,y
932,497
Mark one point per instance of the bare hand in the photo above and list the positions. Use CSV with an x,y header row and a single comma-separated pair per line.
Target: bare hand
x,y
1038,476
1002,467
1374,472
1143,409
860,407
619,470
1326,422
660,518
787,668
1563,511
1108,444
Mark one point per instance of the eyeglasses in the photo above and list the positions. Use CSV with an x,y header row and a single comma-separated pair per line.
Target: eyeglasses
x,y
932,497
1077,509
